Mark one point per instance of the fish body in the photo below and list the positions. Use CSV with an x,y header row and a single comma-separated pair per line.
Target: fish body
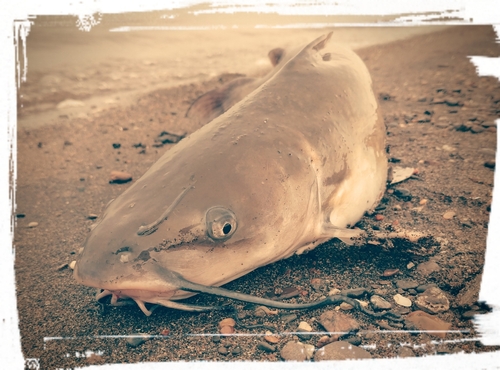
x,y
295,163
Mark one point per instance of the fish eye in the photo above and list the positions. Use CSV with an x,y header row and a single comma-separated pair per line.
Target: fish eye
x,y
221,223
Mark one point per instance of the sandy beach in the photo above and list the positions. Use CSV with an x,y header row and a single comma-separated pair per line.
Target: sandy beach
x,y
86,92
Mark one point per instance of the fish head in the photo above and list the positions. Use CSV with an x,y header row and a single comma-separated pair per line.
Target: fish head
x,y
198,212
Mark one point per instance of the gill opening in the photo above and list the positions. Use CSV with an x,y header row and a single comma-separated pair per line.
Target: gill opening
x,y
152,227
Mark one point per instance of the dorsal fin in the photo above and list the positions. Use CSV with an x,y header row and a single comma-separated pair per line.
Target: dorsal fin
x,y
276,55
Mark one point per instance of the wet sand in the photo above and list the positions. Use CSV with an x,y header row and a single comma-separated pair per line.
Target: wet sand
x,y
63,170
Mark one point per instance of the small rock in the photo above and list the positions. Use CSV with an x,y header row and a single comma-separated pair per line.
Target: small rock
x,y
490,164
476,129
424,321
303,330
410,265
384,325
390,272
293,351
427,268
304,326
433,301
33,224
266,347
356,341
226,330
403,194
227,322
116,145
338,323
271,338
402,301
92,216
423,202
20,215
346,306
340,351
136,340
422,288
72,265
380,303
449,215
406,284
119,177
405,352
222,350
289,292
236,351
289,318
379,217
470,293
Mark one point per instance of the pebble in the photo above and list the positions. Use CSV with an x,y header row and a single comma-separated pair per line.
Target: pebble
x,y
340,351
427,268
406,284
119,177
390,272
476,129
403,194
266,347
289,292
92,216
433,301
402,301
72,265
303,330
304,326
422,288
423,202
116,145
354,340
227,322
379,217
380,303
405,352
424,321
33,224
236,351
226,330
222,350
449,215
271,338
470,293
346,306
289,318
136,340
338,322
410,265
294,351
490,164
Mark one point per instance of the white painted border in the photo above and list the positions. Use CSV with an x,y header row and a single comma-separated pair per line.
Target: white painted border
x,y
473,11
